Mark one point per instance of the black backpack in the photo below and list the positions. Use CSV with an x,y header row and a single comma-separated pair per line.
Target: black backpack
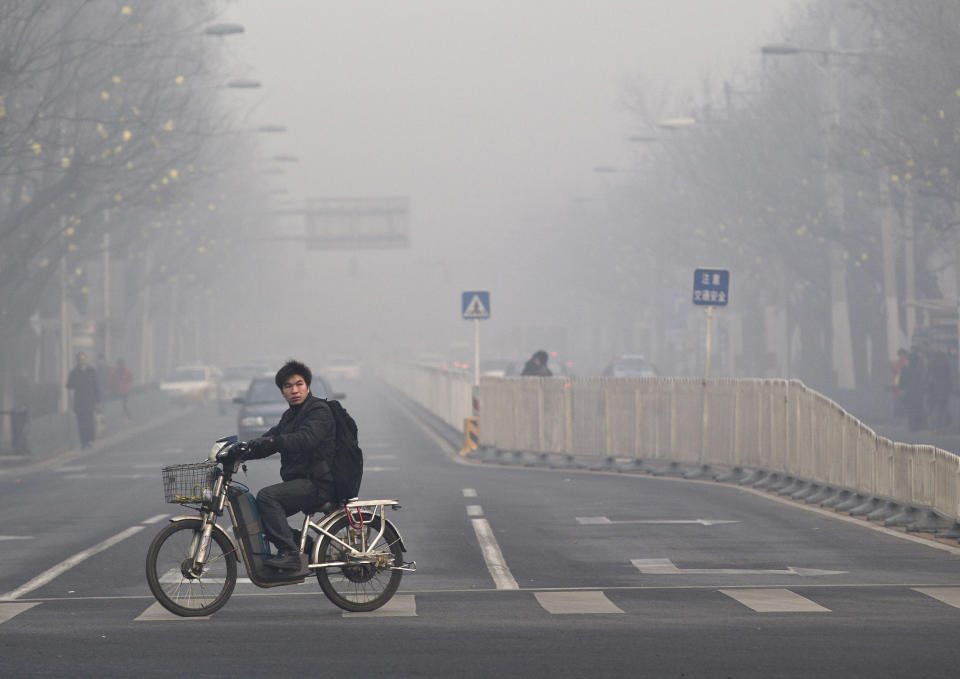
x,y
348,458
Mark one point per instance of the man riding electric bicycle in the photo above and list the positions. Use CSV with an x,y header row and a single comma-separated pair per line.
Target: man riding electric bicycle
x,y
305,437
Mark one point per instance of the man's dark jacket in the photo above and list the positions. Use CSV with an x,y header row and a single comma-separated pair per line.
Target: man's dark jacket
x,y
305,437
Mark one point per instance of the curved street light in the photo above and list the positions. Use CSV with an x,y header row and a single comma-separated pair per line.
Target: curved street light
x,y
243,84
221,30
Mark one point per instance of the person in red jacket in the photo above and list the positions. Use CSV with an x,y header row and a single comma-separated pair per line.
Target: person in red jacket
x,y
120,380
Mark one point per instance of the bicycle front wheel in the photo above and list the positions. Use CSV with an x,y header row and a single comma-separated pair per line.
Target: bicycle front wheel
x,y
177,586
366,583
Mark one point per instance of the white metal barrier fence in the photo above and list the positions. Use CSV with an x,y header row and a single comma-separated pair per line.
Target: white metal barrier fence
x,y
446,394
777,425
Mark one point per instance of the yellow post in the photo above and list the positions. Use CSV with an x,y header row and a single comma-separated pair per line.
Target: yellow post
x,y
471,434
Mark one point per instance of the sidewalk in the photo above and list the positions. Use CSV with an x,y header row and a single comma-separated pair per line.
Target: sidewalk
x,y
25,464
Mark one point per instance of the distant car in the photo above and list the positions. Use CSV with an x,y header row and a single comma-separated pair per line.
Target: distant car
x,y
236,380
630,365
263,404
494,367
192,383
342,367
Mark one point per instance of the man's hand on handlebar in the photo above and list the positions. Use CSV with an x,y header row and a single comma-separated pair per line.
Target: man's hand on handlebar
x,y
234,453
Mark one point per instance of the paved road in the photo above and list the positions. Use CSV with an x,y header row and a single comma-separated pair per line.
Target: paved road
x,y
522,572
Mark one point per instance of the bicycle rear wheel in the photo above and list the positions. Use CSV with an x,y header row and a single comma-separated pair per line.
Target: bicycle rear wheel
x,y
365,584
169,575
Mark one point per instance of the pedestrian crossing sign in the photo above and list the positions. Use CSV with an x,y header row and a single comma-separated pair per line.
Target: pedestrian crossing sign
x,y
475,304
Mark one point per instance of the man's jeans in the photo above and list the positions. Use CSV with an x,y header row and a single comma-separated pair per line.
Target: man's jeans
x,y
279,501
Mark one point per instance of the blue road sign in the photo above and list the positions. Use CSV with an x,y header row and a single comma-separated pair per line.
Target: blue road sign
x,y
711,287
476,304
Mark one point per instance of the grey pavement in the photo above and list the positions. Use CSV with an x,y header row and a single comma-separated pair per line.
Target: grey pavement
x,y
609,575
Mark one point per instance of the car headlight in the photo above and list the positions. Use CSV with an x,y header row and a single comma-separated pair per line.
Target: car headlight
x,y
251,421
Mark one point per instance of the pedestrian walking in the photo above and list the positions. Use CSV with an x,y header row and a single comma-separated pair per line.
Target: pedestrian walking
x,y
86,396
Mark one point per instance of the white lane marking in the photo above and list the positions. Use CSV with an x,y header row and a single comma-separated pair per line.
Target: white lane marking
x,y
492,555
158,612
379,469
469,492
603,521
71,468
66,565
666,567
15,537
385,456
947,595
172,450
377,444
774,601
560,603
154,519
474,510
85,475
401,605
10,610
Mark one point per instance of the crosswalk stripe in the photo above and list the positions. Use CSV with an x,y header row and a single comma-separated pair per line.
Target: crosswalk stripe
x,y
774,601
157,612
947,595
9,610
401,605
560,603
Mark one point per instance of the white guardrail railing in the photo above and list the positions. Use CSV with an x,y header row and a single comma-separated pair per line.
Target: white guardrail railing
x,y
780,426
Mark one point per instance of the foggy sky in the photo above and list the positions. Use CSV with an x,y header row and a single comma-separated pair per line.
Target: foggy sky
x,y
485,113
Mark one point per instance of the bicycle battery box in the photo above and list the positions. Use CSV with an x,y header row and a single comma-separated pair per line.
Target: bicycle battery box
x,y
250,530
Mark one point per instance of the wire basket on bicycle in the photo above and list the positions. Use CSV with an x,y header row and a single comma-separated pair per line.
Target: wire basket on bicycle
x,y
189,483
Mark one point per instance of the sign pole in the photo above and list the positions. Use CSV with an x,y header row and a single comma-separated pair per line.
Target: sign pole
x,y
476,352
706,362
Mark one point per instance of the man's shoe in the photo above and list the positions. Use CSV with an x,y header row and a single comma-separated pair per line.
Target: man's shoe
x,y
288,561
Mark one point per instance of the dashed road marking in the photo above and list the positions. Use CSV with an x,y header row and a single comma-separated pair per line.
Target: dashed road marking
x,y
502,577
154,519
667,567
401,605
562,603
474,510
774,601
10,610
947,595
15,537
157,612
604,521
469,492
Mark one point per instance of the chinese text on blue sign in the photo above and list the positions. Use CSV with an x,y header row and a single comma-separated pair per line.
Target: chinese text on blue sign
x,y
711,287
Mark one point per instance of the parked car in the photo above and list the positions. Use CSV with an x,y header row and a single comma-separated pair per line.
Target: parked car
x,y
192,383
263,404
630,365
